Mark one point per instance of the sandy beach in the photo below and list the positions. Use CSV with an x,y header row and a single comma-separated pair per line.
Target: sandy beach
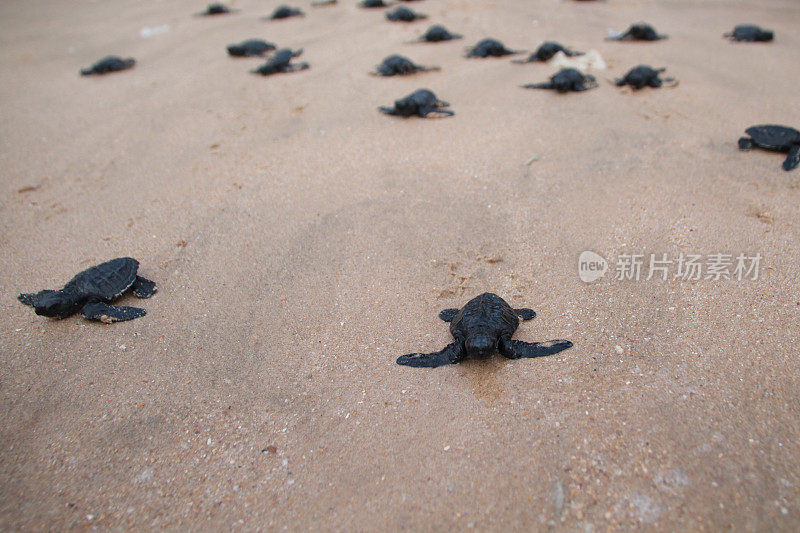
x,y
301,241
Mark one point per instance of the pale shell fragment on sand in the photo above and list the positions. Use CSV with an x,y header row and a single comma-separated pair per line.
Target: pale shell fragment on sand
x,y
591,60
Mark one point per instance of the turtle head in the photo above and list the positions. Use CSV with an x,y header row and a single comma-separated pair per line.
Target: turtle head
x,y
55,304
480,345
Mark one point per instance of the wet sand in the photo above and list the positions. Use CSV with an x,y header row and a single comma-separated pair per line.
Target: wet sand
x,y
301,241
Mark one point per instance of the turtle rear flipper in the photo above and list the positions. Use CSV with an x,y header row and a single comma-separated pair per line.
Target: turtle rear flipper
x,y
451,354
102,312
512,349
545,85
525,313
144,288
793,159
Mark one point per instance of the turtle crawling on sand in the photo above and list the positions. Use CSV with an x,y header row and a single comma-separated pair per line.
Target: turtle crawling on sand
x,y
638,32
490,48
403,14
774,138
750,33
281,61
437,33
484,325
250,48
215,9
400,65
109,64
91,291
421,103
565,80
643,76
284,12
546,51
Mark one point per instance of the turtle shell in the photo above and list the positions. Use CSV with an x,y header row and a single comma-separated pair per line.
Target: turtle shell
x,y
107,280
774,137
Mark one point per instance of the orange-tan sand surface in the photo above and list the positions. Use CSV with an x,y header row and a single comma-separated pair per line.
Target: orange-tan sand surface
x,y
301,241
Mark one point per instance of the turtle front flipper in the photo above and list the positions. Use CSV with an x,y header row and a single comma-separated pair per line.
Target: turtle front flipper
x,y
512,349
525,313
144,288
102,312
793,159
448,314
30,297
451,354
435,112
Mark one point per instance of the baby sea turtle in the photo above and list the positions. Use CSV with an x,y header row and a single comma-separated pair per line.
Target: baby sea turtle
x,y
91,291
374,4
421,102
403,14
484,325
250,48
215,9
750,34
284,12
638,32
643,76
281,61
546,51
437,33
565,80
400,65
490,48
774,138
109,64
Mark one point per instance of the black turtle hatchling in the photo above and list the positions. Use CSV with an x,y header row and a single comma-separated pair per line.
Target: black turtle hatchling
x,y
109,64
566,80
750,34
250,48
490,48
546,51
484,325
437,33
374,4
215,9
775,138
91,291
281,61
403,14
421,103
643,76
284,12
401,66
638,32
